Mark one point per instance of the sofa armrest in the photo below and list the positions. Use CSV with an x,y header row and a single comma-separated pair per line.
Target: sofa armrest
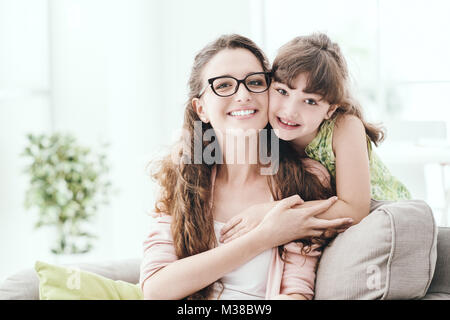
x,y
440,285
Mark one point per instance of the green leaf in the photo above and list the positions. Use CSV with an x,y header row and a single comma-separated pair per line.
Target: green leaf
x,y
82,176
38,224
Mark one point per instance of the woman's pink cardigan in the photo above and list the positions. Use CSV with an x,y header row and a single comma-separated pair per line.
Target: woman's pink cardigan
x,y
297,275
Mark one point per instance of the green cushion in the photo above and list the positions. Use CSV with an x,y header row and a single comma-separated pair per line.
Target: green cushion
x,y
71,283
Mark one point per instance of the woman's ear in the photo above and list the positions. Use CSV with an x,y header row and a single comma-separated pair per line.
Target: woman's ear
x,y
331,110
199,109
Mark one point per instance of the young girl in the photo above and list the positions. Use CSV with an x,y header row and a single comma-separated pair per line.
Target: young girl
x,y
310,105
182,258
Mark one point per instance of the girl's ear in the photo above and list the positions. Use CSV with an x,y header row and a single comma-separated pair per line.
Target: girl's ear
x,y
331,111
199,109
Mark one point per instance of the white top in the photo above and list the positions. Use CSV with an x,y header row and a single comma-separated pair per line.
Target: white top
x,y
247,282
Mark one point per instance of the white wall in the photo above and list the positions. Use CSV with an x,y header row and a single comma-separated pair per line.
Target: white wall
x,y
24,107
118,73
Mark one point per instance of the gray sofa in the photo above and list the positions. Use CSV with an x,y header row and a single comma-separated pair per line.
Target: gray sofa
x,y
440,285
397,252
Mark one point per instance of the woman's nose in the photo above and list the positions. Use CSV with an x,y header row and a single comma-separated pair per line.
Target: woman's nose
x,y
242,94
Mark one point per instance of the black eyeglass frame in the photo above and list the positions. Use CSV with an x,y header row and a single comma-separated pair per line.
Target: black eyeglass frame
x,y
267,74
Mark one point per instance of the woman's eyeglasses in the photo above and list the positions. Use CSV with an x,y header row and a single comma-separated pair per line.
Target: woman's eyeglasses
x,y
225,86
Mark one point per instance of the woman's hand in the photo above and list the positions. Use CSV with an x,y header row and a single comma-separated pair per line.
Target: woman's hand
x,y
286,222
311,226
246,221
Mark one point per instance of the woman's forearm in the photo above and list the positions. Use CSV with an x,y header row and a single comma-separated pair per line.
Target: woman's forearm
x,y
191,274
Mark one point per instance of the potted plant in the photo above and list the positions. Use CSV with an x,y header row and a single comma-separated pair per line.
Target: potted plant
x,y
68,183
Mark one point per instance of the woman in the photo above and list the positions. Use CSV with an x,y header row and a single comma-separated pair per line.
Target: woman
x,y
182,258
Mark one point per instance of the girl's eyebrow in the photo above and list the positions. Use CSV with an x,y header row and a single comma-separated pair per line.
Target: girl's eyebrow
x,y
284,84
316,95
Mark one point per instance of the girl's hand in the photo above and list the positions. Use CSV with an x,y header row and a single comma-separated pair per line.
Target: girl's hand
x,y
284,223
246,221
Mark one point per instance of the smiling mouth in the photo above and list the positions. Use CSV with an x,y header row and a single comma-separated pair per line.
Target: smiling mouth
x,y
286,123
242,113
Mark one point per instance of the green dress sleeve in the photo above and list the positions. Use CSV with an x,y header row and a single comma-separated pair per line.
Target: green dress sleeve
x,y
384,186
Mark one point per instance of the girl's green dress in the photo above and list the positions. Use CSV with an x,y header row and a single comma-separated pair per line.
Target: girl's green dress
x,y
384,186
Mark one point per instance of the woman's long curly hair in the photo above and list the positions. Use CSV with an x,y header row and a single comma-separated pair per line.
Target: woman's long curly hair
x,y
185,191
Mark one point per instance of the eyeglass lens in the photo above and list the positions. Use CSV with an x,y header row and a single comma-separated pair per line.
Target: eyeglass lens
x,y
226,86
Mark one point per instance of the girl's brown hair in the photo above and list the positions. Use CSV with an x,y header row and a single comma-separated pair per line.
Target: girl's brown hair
x,y
186,188
327,73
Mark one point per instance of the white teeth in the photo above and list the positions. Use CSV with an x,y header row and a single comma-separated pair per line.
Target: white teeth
x,y
242,112
288,123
